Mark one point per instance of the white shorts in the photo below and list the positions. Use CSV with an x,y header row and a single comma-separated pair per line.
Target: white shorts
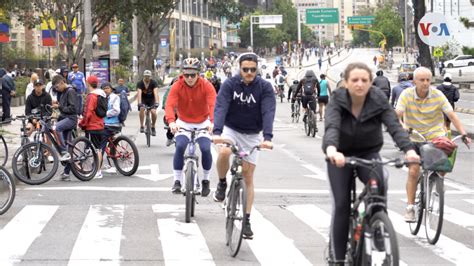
x,y
245,141
190,126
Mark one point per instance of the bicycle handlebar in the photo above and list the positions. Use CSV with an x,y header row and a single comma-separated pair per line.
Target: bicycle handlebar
x,y
397,162
413,132
236,150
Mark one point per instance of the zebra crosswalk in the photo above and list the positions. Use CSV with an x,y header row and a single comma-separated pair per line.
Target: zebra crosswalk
x,y
294,234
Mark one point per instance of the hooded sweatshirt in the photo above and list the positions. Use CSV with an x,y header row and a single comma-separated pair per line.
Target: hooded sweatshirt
x,y
91,121
34,101
247,109
397,90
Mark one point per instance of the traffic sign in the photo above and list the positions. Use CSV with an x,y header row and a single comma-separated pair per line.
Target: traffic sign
x,y
322,16
361,20
438,52
433,29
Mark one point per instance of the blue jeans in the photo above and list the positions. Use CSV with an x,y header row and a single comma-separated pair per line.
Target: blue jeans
x,y
63,128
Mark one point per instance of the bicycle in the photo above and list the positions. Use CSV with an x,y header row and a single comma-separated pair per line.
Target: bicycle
x,y
7,190
235,203
429,198
148,124
310,126
372,239
4,149
123,152
295,114
191,179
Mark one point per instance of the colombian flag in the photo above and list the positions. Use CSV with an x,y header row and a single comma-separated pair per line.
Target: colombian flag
x,y
48,34
4,33
65,34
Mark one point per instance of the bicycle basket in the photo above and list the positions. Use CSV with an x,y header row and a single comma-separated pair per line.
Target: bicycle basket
x,y
435,159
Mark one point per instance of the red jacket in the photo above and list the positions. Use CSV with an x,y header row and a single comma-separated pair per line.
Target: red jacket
x,y
193,104
90,120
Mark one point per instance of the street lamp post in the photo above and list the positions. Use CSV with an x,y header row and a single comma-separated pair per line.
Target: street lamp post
x,y
251,31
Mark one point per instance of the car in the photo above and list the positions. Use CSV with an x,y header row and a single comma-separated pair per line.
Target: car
x,y
460,61
407,68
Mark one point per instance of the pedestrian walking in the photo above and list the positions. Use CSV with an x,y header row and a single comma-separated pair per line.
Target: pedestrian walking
x,y
8,88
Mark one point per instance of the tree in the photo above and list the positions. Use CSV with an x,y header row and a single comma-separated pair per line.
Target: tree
x,y
231,10
425,56
389,22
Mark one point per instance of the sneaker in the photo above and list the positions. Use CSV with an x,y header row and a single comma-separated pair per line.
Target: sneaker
x,y
169,142
65,177
142,130
98,174
205,188
247,231
50,159
65,156
153,131
176,189
219,194
410,214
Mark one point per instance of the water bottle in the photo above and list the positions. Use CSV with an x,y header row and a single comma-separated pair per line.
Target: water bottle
x,y
358,229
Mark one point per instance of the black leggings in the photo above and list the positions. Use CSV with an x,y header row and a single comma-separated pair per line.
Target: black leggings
x,y
340,180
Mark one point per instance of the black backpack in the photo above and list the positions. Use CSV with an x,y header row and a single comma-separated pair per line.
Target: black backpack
x,y
124,106
308,87
102,106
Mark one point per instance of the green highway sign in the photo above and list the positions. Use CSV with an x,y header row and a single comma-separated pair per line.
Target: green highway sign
x,y
322,16
360,20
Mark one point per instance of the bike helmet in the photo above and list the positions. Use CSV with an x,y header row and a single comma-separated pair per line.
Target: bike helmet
x,y
192,63
444,144
295,82
379,73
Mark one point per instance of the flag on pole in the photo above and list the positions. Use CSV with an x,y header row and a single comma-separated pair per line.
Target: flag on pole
x,y
48,32
4,33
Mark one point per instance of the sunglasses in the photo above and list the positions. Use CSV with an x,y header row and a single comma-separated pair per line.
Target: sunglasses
x,y
249,69
190,75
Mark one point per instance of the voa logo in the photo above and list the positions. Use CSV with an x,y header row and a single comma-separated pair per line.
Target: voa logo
x,y
433,29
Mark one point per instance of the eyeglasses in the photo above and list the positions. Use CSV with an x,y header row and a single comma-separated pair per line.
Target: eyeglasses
x,y
193,75
249,69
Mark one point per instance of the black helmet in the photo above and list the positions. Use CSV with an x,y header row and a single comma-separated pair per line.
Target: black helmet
x,y
295,82
379,73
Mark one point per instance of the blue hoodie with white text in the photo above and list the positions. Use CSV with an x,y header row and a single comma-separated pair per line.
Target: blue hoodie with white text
x,y
247,109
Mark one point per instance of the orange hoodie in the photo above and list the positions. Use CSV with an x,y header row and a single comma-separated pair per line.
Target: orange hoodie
x,y
193,104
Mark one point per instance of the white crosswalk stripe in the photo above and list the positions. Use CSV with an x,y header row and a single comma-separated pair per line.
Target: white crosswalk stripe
x,y
100,236
17,236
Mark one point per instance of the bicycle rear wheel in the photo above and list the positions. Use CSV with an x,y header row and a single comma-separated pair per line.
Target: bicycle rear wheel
x,y
30,163
125,155
84,159
3,151
314,128
236,206
148,129
189,193
383,244
307,124
419,206
7,190
297,113
434,208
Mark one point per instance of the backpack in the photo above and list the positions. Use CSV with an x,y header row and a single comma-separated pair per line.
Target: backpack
x,y
102,106
281,80
124,106
308,87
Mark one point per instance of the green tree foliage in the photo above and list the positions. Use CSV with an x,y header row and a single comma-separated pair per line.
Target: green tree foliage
x,y
388,21
287,31
231,10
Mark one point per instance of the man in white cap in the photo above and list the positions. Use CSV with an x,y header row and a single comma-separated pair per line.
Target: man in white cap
x,y
147,95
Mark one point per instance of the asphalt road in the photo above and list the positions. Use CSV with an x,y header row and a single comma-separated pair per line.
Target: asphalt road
x,y
136,220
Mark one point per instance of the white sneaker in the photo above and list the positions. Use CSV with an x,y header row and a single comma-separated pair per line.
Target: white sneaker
x,y
50,158
65,156
410,214
98,174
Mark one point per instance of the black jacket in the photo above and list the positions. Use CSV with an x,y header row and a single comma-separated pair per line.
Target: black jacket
x,y
363,135
450,91
34,101
384,84
68,103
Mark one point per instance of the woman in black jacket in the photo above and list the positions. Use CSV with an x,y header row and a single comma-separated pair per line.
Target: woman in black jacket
x,y
353,127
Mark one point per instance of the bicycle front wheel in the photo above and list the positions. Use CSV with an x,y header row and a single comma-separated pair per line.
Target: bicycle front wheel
x,y
148,130
3,151
189,191
84,159
382,247
30,163
434,208
419,206
7,190
125,155
237,203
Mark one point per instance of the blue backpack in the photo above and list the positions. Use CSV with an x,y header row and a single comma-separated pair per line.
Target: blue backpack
x,y
124,106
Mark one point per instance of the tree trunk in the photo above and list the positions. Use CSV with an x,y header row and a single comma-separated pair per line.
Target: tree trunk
x,y
425,55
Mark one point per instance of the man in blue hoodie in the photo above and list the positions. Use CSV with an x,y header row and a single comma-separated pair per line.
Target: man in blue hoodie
x,y
397,90
244,107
